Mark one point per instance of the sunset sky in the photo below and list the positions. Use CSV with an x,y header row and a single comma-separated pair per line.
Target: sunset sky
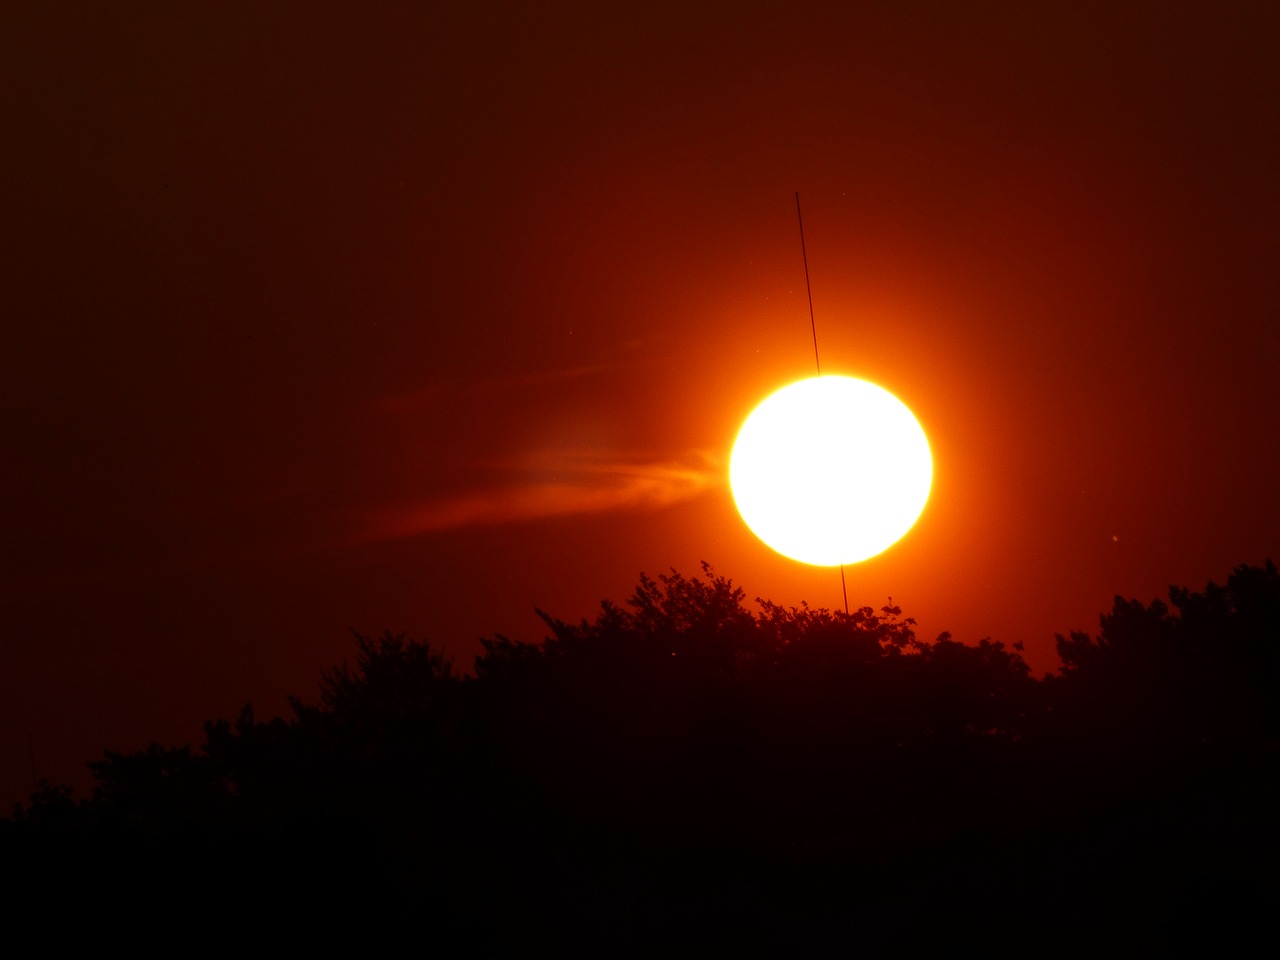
x,y
420,316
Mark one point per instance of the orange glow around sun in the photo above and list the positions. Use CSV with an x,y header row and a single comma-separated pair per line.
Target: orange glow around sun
x,y
831,470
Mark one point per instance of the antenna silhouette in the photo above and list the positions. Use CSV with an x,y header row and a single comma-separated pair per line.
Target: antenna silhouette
x,y
804,255
813,326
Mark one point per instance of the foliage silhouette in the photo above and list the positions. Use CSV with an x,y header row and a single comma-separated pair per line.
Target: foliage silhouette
x,y
1205,669
688,769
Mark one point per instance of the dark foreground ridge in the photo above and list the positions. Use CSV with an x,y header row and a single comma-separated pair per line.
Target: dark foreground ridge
x,y
686,775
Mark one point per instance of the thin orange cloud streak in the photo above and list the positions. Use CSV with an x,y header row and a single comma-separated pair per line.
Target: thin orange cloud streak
x,y
540,378
565,484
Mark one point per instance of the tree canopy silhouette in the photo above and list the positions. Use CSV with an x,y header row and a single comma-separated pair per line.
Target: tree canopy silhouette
x,y
686,764
1205,666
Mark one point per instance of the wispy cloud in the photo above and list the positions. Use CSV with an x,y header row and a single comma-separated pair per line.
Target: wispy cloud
x,y
512,382
556,485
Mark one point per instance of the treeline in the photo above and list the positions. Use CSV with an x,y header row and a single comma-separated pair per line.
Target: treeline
x,y
686,773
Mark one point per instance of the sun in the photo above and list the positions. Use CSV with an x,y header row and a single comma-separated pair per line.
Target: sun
x,y
831,470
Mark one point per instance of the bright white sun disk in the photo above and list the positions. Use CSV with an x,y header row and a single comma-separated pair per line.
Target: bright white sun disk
x,y
831,470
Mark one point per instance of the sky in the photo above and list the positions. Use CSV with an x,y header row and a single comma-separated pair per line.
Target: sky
x,y
328,317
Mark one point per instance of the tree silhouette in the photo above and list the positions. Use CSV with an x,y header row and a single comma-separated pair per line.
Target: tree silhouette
x,y
688,768
1207,668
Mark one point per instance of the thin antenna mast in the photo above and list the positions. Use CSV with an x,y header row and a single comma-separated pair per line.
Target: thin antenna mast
x,y
809,290
813,326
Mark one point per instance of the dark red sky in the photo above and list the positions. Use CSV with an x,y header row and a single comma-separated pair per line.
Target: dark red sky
x,y
420,318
